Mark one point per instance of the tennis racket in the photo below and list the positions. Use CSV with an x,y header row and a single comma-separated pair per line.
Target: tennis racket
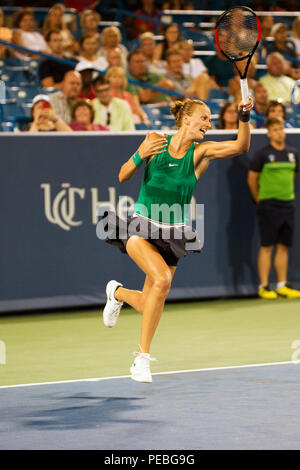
x,y
237,36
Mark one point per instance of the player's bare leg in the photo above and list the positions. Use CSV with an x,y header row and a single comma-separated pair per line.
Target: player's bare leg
x,y
159,277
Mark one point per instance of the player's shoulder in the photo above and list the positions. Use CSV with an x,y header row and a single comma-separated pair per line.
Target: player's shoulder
x,y
156,135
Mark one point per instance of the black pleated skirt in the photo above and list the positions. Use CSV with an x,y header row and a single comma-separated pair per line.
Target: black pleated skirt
x,y
172,241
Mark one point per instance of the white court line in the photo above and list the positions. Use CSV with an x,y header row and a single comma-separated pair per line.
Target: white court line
x,y
244,366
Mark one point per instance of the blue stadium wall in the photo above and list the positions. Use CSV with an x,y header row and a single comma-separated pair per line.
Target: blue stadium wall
x,y
50,255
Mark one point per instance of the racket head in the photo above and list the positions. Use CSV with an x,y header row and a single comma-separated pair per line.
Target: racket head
x,y
237,35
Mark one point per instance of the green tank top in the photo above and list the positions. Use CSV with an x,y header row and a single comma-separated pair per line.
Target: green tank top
x,y
167,186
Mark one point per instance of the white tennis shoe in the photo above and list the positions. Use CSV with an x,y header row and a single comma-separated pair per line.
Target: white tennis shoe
x,y
140,369
113,307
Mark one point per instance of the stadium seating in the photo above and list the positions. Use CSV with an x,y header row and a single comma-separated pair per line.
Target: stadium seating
x,y
159,117
22,81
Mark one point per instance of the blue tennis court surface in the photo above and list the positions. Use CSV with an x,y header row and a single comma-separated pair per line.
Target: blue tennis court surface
x,y
238,408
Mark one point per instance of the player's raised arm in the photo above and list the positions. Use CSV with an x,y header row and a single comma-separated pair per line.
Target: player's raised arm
x,y
231,148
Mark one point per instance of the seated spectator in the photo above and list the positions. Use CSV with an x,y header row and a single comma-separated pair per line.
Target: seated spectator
x,y
114,58
44,118
171,39
278,85
276,109
234,87
229,116
148,9
137,70
5,35
88,53
284,46
191,66
266,25
110,39
109,111
118,82
296,35
89,22
51,72
147,47
220,69
63,101
54,21
83,116
186,85
24,35
258,113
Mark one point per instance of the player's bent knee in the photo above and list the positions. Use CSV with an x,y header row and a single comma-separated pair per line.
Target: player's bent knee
x,y
162,282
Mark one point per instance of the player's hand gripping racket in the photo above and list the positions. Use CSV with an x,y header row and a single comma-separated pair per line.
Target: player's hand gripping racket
x,y
237,35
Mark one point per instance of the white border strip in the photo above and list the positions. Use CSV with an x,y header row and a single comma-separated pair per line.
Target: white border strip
x,y
292,130
244,366
219,12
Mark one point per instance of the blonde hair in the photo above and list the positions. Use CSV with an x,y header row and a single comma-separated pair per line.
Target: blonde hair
x,y
117,71
86,13
110,29
46,26
180,108
186,43
146,35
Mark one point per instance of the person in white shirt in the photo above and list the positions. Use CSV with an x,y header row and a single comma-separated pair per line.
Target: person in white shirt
x,y
88,56
24,35
191,66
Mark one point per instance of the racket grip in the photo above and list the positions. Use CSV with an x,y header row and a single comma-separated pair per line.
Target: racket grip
x,y
244,90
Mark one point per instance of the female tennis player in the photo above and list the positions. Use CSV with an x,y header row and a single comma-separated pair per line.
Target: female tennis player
x,y
174,163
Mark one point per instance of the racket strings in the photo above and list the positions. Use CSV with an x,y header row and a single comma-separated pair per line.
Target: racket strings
x,y
237,33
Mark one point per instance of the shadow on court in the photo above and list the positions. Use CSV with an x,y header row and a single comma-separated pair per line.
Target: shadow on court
x,y
238,408
86,412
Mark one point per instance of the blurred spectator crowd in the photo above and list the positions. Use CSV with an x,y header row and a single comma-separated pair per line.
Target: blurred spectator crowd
x,y
88,69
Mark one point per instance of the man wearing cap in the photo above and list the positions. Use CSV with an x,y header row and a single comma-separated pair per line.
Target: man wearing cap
x,y
44,118
62,101
51,72
284,46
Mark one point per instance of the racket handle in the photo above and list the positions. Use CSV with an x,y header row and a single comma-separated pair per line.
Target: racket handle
x,y
244,90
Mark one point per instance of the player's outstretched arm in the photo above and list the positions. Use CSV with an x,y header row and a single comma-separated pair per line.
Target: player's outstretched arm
x,y
231,148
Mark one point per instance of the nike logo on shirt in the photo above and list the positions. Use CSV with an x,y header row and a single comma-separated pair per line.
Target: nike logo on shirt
x,y
173,164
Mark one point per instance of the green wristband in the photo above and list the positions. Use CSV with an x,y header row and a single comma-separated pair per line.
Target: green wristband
x,y
137,160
